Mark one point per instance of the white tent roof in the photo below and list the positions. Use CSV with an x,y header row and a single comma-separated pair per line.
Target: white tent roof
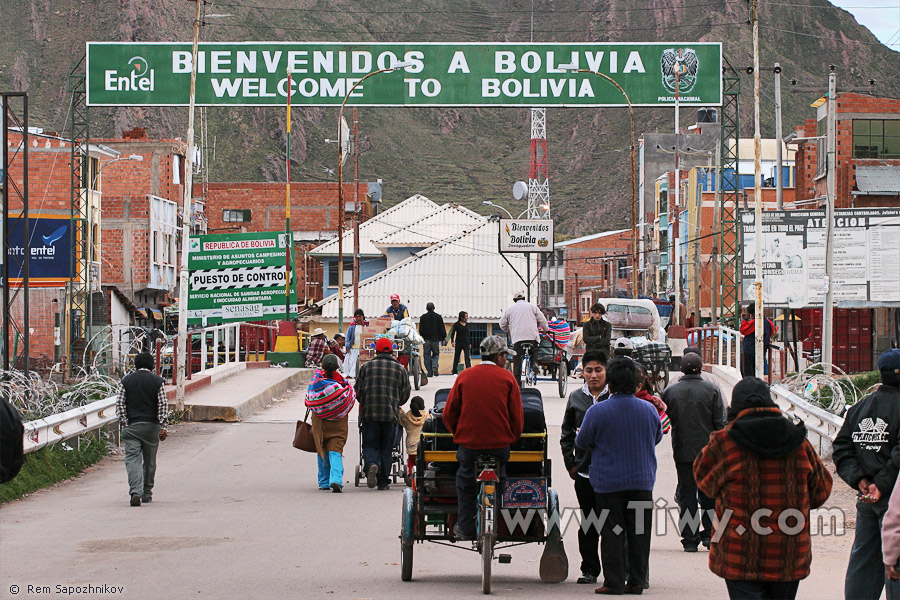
x,y
463,272
410,210
448,220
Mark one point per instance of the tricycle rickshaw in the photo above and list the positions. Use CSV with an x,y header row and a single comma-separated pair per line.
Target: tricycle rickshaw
x,y
517,509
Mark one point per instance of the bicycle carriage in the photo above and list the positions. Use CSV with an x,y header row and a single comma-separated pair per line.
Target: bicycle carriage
x,y
517,509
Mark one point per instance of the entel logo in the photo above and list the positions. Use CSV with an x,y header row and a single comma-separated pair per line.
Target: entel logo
x,y
141,78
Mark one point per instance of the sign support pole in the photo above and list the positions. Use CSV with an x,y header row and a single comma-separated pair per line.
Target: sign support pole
x,y
186,227
828,309
288,241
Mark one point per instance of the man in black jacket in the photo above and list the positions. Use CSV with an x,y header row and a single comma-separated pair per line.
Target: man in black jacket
x,y
696,409
143,411
578,461
432,329
597,332
867,456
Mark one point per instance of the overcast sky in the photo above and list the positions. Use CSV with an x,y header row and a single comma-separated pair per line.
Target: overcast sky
x,y
882,17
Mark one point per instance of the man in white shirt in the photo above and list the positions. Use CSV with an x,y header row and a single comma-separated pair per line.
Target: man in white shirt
x,y
523,321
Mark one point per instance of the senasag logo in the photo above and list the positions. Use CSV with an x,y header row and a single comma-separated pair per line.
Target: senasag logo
x,y
138,78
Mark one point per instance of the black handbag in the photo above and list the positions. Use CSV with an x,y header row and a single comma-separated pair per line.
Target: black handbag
x,y
303,436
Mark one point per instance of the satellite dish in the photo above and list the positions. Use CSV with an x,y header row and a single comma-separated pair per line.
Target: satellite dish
x,y
520,190
345,140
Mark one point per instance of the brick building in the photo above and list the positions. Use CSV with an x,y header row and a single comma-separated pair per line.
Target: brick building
x,y
867,175
867,153
583,269
50,199
253,207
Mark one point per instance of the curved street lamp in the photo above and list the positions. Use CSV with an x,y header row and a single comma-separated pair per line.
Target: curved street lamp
x,y
634,250
340,146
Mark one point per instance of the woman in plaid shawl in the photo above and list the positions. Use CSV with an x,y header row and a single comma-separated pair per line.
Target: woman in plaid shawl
x,y
330,399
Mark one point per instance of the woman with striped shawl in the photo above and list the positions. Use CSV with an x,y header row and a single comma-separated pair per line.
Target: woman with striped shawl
x,y
330,399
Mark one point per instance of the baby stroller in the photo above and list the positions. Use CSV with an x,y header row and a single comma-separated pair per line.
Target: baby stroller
x,y
398,459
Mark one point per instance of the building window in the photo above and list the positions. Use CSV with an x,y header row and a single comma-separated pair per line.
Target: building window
x,y
876,138
477,332
560,287
176,169
333,272
236,216
623,268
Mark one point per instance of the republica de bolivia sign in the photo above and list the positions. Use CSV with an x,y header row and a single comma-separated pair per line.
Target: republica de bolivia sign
x,y
438,74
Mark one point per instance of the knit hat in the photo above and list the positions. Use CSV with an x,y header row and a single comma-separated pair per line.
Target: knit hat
x,y
691,363
749,392
330,362
384,345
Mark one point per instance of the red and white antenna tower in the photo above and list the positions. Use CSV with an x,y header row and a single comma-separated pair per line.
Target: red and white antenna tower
x,y
538,175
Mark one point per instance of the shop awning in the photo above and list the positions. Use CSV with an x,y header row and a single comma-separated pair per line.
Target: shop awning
x,y
872,180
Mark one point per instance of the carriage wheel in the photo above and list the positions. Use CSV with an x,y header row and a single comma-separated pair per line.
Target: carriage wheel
x,y
416,367
356,476
407,525
562,377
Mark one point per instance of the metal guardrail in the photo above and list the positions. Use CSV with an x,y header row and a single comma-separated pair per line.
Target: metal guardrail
x,y
72,423
817,420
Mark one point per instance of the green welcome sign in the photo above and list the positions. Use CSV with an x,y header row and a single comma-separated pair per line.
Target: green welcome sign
x,y
435,74
238,277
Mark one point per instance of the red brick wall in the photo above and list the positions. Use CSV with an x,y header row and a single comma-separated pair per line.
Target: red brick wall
x,y
41,310
587,259
314,207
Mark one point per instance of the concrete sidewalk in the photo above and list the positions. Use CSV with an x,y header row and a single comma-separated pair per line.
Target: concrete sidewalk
x,y
238,396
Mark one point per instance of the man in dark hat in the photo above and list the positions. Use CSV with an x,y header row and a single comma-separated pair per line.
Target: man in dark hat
x,y
382,387
696,409
675,376
432,329
761,465
867,457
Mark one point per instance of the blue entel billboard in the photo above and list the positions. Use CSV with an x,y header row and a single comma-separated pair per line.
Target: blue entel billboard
x,y
50,250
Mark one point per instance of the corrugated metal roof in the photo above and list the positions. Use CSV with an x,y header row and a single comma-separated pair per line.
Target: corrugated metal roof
x,y
448,220
410,210
588,238
463,272
878,179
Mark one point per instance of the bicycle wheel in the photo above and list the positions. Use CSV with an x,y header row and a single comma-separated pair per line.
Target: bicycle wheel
x,y
562,378
487,557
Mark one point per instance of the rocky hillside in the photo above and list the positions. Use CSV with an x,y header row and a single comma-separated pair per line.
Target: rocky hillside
x,y
462,155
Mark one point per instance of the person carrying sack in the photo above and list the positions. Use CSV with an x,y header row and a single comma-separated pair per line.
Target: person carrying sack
x,y
330,399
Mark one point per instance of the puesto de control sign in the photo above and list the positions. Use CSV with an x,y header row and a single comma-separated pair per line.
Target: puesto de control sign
x,y
526,235
437,74
238,277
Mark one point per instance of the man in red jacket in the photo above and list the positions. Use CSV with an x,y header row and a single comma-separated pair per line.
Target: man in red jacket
x,y
484,413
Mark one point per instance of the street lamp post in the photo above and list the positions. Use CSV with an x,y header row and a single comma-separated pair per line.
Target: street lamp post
x,y
340,232
634,244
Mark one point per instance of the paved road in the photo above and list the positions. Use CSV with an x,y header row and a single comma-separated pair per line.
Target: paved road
x,y
237,514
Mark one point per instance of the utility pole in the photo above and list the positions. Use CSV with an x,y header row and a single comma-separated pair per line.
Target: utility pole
x,y
757,202
186,226
779,160
676,316
828,309
358,212
717,217
288,237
